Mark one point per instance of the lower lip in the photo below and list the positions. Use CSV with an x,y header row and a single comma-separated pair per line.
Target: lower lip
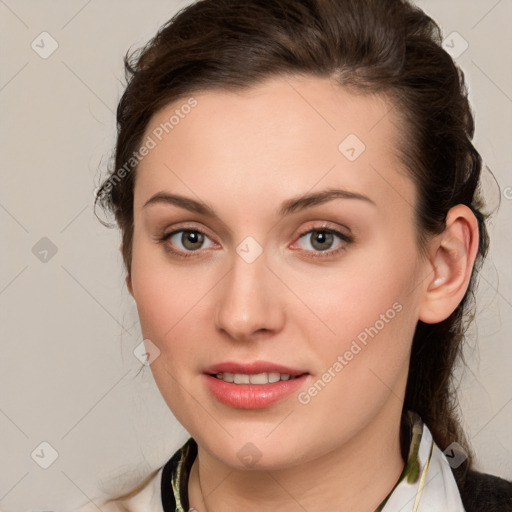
x,y
252,396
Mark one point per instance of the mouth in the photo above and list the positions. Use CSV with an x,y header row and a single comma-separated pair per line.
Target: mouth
x,y
256,372
255,378
253,385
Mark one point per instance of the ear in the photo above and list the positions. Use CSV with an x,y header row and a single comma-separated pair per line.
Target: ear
x,y
453,255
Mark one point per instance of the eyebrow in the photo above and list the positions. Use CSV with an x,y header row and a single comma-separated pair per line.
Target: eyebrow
x,y
293,205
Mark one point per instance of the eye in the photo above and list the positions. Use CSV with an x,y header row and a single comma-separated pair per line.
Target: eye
x,y
186,241
323,241
320,242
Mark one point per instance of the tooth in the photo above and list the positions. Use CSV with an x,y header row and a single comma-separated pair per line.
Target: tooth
x,y
259,378
241,379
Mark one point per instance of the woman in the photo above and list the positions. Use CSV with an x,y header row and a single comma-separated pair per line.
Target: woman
x,y
298,196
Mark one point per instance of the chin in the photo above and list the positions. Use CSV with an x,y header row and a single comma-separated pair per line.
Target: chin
x,y
258,451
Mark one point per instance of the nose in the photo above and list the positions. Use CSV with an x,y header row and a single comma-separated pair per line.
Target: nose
x,y
249,301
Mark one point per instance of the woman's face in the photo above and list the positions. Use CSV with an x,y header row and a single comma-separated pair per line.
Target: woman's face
x,y
329,287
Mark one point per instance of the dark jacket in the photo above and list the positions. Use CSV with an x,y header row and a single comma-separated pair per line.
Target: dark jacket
x,y
481,492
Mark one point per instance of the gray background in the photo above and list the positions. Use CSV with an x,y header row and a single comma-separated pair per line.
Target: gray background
x,y
68,325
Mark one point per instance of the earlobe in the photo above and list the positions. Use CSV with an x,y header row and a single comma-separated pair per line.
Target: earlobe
x,y
453,256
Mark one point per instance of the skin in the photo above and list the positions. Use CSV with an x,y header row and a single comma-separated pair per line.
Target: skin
x,y
245,154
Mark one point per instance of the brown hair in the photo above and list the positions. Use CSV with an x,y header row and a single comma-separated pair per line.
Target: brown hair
x,y
369,46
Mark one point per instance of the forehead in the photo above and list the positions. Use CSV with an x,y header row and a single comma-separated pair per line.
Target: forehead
x,y
275,140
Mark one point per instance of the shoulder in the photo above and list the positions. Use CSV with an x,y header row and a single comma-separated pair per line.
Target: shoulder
x,y
149,494
481,492
103,506
146,496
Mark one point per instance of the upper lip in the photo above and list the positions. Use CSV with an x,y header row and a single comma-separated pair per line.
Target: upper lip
x,y
252,368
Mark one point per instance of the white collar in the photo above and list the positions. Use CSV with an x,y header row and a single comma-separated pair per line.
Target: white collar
x,y
433,487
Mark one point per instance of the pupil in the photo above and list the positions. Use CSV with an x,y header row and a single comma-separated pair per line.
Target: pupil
x,y
323,238
192,240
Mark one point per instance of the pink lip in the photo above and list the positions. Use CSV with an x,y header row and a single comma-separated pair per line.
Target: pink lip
x,y
252,396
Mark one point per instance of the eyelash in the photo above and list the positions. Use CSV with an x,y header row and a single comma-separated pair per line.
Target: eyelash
x,y
347,239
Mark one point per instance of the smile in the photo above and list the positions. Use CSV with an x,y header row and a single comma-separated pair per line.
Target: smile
x,y
258,378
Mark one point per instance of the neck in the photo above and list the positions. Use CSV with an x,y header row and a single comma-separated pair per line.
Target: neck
x,y
354,477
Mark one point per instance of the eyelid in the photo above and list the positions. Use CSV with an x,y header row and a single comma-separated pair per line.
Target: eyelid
x,y
185,227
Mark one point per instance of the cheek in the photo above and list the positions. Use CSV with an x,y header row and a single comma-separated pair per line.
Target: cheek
x,y
364,290
174,308
161,293
365,313
168,305
365,363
